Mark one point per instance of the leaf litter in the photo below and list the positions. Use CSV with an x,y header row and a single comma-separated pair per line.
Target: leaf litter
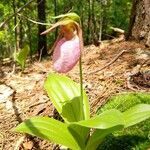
x,y
27,97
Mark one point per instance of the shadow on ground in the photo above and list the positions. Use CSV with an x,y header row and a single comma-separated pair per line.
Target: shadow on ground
x,y
125,142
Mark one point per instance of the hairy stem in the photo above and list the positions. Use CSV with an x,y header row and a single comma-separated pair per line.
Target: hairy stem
x,y
80,65
81,81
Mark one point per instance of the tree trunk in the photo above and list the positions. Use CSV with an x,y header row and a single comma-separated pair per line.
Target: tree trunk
x,y
42,42
16,27
29,38
139,27
88,39
55,14
21,34
95,40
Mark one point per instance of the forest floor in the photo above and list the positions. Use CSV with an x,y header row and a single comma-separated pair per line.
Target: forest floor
x,y
127,68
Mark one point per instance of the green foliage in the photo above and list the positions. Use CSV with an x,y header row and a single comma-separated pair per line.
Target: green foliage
x,y
104,120
136,114
119,13
21,56
2,35
113,13
99,135
136,137
125,101
1,10
74,133
67,99
72,16
5,44
49,129
69,110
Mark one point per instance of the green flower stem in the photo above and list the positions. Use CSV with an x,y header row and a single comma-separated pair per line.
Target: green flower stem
x,y
81,81
80,67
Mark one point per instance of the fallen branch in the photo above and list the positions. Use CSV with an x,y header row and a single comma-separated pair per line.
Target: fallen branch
x,y
110,63
117,30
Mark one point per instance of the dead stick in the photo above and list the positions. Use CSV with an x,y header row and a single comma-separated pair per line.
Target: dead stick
x,y
107,65
41,51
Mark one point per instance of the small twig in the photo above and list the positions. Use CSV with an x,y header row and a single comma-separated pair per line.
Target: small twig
x,y
146,61
129,84
2,141
39,103
13,69
19,142
41,50
35,22
11,16
16,26
117,30
110,63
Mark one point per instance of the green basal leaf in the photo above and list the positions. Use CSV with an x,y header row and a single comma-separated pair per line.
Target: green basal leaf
x,y
80,133
49,129
105,120
137,134
72,111
105,124
62,90
99,135
136,114
72,16
21,56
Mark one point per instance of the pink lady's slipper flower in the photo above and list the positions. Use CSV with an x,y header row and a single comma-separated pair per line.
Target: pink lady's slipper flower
x,y
66,48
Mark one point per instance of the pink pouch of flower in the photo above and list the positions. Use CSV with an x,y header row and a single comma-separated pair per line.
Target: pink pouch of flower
x,y
66,54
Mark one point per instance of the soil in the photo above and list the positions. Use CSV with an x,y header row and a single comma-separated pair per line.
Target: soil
x,y
27,96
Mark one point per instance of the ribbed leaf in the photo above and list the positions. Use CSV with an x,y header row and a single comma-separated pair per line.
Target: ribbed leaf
x,y
80,134
61,90
49,129
104,124
105,120
98,136
72,111
136,114
21,56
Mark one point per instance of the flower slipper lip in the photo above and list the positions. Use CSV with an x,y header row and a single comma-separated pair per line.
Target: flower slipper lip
x,y
66,54
67,51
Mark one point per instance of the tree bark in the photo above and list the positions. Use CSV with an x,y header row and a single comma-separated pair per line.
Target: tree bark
x,y
88,39
93,22
21,34
29,38
55,14
42,41
16,27
139,27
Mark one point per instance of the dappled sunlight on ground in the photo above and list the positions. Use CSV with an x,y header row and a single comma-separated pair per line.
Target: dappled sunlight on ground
x,y
28,97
